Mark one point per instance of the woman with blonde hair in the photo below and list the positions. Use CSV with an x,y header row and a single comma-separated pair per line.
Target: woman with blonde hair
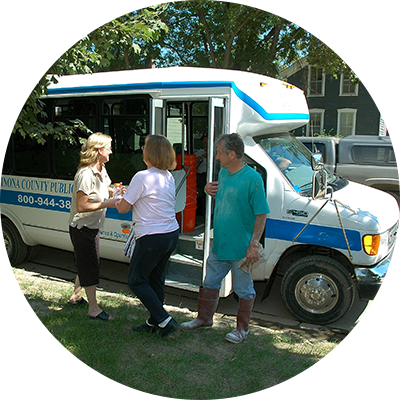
x,y
151,195
91,197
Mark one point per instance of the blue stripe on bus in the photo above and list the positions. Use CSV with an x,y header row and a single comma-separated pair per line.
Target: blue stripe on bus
x,y
112,213
275,228
179,85
267,116
50,202
314,234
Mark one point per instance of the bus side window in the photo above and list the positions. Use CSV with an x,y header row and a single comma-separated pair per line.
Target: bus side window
x,y
68,110
126,120
66,158
31,158
67,152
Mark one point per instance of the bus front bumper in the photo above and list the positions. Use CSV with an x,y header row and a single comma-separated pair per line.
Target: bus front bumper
x,y
369,280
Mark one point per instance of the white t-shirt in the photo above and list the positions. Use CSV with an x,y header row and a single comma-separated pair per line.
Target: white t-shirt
x,y
95,185
152,194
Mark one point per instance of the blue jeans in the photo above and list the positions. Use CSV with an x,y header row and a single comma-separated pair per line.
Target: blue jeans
x,y
146,275
217,270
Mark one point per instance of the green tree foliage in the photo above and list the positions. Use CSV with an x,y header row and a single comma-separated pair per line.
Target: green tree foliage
x,y
215,33
41,39
359,36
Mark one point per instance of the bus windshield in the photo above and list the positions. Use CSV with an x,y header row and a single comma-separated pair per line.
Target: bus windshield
x,y
292,158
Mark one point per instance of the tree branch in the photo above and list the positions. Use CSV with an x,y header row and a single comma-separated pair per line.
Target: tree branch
x,y
203,20
229,42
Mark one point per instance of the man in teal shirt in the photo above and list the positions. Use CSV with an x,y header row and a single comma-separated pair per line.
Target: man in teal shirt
x,y
239,221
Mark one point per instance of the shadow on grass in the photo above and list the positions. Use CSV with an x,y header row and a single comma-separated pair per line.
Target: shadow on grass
x,y
186,365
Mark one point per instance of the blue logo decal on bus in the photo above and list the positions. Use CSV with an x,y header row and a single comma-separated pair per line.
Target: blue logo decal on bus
x,y
36,200
320,235
50,202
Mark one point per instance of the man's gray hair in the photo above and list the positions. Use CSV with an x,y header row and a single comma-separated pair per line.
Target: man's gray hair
x,y
231,142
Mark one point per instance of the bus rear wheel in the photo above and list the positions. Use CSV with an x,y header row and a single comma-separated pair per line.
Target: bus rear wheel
x,y
17,250
317,290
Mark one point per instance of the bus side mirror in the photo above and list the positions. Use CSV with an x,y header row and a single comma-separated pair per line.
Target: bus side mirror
x,y
316,160
319,184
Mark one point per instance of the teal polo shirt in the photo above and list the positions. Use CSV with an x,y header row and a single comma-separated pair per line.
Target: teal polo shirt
x,y
240,197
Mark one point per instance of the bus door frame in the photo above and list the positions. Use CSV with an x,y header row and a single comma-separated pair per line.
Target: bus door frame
x,y
158,109
214,103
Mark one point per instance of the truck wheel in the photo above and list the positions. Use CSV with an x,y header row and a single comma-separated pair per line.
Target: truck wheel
x,y
17,250
318,290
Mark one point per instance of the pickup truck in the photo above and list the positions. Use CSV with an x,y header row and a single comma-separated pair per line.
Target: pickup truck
x,y
369,160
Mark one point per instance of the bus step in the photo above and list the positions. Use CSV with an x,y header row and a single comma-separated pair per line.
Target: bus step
x,y
187,260
175,282
191,245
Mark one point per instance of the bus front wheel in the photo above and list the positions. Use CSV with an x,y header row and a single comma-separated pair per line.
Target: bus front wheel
x,y
17,250
317,290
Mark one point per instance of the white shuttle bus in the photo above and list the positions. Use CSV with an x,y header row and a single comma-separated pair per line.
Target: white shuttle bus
x,y
329,238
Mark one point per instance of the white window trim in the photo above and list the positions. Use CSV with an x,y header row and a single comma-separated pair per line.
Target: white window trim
x,y
342,76
308,84
316,111
346,110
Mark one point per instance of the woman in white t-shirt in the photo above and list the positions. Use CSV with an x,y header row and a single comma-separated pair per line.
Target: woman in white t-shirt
x,y
151,196
91,197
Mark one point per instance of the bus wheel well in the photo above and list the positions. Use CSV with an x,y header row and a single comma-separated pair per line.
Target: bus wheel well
x,y
17,250
294,253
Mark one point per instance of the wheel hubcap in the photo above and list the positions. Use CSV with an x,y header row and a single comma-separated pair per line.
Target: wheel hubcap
x,y
317,293
7,243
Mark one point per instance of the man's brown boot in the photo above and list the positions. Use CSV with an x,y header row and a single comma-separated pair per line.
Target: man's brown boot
x,y
242,322
208,303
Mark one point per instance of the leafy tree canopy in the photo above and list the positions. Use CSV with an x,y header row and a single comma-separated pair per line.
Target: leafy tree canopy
x,y
361,37
42,38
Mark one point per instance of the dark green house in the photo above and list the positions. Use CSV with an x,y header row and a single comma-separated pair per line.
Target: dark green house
x,y
337,107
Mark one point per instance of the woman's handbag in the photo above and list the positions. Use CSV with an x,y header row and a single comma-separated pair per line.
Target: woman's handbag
x,y
130,244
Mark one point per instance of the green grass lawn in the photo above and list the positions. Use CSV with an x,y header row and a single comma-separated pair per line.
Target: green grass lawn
x,y
187,365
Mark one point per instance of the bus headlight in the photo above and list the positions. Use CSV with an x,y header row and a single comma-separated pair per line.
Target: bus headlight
x,y
371,244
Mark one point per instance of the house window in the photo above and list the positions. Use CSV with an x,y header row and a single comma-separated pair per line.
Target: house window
x,y
346,122
347,87
316,82
316,124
